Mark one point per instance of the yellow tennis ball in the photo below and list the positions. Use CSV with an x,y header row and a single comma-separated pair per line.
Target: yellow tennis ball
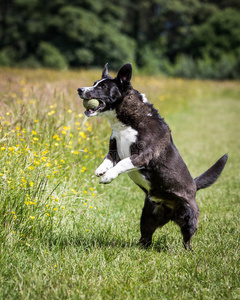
x,y
90,104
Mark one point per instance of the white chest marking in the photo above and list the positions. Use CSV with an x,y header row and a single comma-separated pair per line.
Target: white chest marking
x,y
125,135
125,138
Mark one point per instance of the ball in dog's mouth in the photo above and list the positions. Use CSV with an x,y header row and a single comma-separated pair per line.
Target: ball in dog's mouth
x,y
93,106
90,104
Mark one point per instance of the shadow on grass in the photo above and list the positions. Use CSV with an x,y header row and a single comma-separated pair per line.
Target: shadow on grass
x,y
104,241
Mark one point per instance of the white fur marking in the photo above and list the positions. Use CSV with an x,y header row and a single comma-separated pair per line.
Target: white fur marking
x,y
104,167
125,135
125,138
123,166
90,88
144,98
92,115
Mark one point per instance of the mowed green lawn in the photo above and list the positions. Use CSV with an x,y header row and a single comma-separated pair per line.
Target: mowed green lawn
x,y
64,236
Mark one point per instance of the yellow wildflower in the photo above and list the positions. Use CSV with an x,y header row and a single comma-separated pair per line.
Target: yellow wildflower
x,y
75,192
52,112
82,134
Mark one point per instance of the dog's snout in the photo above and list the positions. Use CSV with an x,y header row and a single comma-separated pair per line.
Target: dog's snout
x,y
80,91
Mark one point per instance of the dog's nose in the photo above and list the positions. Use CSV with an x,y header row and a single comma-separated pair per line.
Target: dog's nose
x,y
80,91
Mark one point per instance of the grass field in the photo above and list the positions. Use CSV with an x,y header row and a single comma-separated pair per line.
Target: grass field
x,y
64,236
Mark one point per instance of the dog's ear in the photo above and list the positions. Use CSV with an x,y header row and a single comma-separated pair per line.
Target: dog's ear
x,y
125,73
105,72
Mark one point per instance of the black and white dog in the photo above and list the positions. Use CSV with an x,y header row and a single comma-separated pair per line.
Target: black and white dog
x,y
141,145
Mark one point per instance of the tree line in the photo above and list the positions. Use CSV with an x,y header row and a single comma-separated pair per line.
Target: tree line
x,y
188,38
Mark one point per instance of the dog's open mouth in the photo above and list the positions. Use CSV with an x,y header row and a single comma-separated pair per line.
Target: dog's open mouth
x,y
93,106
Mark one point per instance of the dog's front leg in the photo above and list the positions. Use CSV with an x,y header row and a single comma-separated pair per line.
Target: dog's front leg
x,y
104,167
110,160
122,166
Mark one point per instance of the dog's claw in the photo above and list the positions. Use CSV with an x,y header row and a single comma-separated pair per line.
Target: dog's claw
x,y
103,168
99,174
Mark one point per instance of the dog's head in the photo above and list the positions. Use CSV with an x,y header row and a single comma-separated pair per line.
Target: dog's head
x,y
108,91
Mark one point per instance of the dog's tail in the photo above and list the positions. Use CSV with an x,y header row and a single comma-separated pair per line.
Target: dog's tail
x,y
211,175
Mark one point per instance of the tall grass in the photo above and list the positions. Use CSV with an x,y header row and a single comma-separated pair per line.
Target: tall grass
x,y
64,236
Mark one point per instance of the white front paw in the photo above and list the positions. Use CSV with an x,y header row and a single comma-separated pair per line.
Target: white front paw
x,y
108,176
102,169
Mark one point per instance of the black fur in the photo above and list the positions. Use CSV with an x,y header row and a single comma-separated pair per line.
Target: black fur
x,y
170,189
211,175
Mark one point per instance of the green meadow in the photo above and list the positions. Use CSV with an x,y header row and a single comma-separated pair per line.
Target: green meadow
x,y
65,236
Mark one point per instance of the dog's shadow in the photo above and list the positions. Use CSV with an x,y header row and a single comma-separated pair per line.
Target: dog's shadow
x,y
105,242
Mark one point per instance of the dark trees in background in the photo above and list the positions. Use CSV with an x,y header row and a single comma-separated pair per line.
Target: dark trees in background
x,y
189,38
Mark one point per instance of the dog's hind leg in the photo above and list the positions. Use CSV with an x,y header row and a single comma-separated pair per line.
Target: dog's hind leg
x,y
187,218
153,216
